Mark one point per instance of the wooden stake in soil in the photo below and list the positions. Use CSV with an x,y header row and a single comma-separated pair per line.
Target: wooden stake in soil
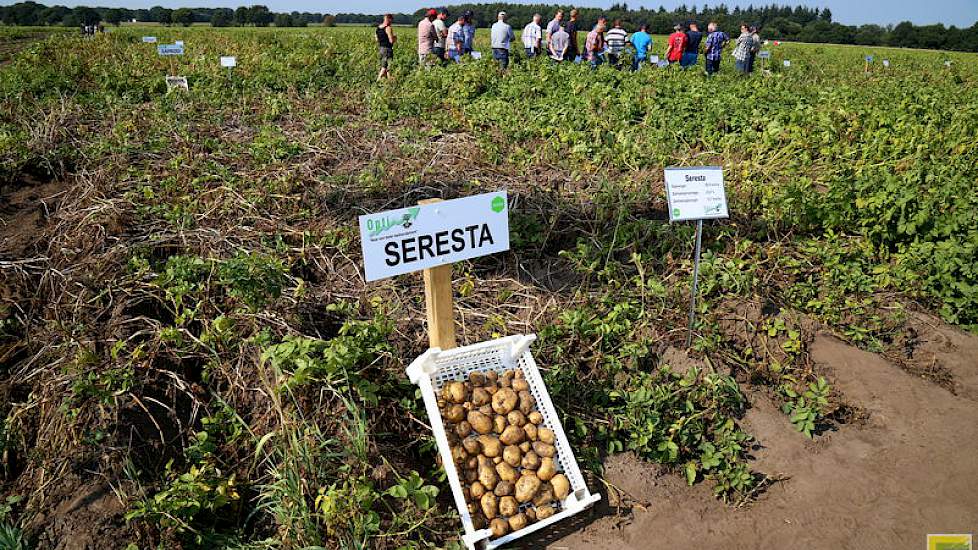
x,y
438,302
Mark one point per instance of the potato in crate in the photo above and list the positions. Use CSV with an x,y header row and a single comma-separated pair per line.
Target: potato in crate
x,y
510,467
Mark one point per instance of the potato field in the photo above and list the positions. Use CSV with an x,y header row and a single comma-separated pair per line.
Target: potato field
x,y
191,357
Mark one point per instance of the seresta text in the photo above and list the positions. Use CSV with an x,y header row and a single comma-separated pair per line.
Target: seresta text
x,y
420,247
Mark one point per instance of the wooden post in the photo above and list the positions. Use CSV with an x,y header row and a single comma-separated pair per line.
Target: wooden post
x,y
438,303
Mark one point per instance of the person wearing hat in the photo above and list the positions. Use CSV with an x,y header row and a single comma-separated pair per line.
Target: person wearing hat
x,y
500,37
456,39
677,45
427,36
441,31
469,32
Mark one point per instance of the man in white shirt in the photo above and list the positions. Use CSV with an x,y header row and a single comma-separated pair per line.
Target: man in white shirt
x,y
500,37
441,32
559,42
456,39
554,25
532,36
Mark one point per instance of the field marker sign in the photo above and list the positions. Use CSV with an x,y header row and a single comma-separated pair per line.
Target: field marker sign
x,y
149,40
169,49
229,61
176,83
696,194
430,237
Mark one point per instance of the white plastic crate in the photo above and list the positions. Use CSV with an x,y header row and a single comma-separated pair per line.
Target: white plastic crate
x,y
435,367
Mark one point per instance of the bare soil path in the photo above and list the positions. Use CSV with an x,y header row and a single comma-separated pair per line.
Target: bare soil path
x,y
911,468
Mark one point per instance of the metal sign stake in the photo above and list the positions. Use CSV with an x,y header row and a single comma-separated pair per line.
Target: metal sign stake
x,y
696,280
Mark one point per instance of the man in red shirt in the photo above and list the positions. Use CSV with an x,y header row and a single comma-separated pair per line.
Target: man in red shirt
x,y
677,45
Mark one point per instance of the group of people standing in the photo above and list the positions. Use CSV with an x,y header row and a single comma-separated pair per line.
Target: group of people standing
x,y
440,43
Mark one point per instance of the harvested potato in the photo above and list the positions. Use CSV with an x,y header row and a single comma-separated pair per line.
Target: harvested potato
x,y
477,378
480,397
455,413
520,385
506,472
544,449
486,410
497,460
459,455
504,488
512,455
545,495
527,402
526,487
508,506
561,486
454,392
526,447
504,401
506,380
471,475
544,512
499,527
472,463
535,417
466,493
546,435
531,514
518,522
516,418
463,428
480,422
531,431
477,489
479,521
498,423
491,447
531,461
489,504
471,445
512,435
487,475
491,377
491,390
546,471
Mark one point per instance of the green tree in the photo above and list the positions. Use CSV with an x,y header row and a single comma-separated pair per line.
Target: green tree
x,y
183,16
222,17
259,16
113,16
242,16
86,15
283,20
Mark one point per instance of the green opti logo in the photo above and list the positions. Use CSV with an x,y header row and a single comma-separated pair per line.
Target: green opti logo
x,y
381,225
949,542
675,212
498,204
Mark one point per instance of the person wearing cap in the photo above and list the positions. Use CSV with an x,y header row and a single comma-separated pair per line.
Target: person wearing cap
x,y
500,37
594,45
677,45
692,52
468,31
532,36
427,36
441,31
642,42
559,43
616,38
715,42
456,39
554,25
573,49
385,45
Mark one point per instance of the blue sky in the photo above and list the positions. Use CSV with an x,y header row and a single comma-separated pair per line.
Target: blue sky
x,y
853,12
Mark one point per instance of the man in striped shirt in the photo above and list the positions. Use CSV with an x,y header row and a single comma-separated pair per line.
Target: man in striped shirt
x,y
616,38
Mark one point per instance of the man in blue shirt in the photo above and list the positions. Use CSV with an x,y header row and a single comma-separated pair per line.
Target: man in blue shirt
x,y
642,42
468,31
715,42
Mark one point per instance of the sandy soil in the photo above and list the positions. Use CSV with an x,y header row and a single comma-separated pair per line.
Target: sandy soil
x,y
909,469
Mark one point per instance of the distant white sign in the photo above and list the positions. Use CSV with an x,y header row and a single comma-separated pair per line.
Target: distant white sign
x,y
169,49
696,193
663,64
177,83
178,42
654,59
764,55
476,55
149,40
420,237
886,62
229,61
787,63
947,63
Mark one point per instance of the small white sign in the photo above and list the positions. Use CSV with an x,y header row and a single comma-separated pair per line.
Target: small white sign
x,y
764,55
947,63
886,62
654,60
424,236
476,55
178,42
229,61
169,49
787,63
696,193
177,82
149,40
663,64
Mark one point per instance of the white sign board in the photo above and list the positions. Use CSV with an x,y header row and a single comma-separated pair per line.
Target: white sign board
x,y
476,55
787,63
764,54
229,61
177,82
149,40
662,64
886,62
178,42
424,236
869,59
169,49
654,59
696,193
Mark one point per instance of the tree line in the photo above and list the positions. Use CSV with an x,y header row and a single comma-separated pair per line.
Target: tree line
x,y
800,23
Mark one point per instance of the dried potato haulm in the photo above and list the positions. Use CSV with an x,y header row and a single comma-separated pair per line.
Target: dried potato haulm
x,y
506,457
